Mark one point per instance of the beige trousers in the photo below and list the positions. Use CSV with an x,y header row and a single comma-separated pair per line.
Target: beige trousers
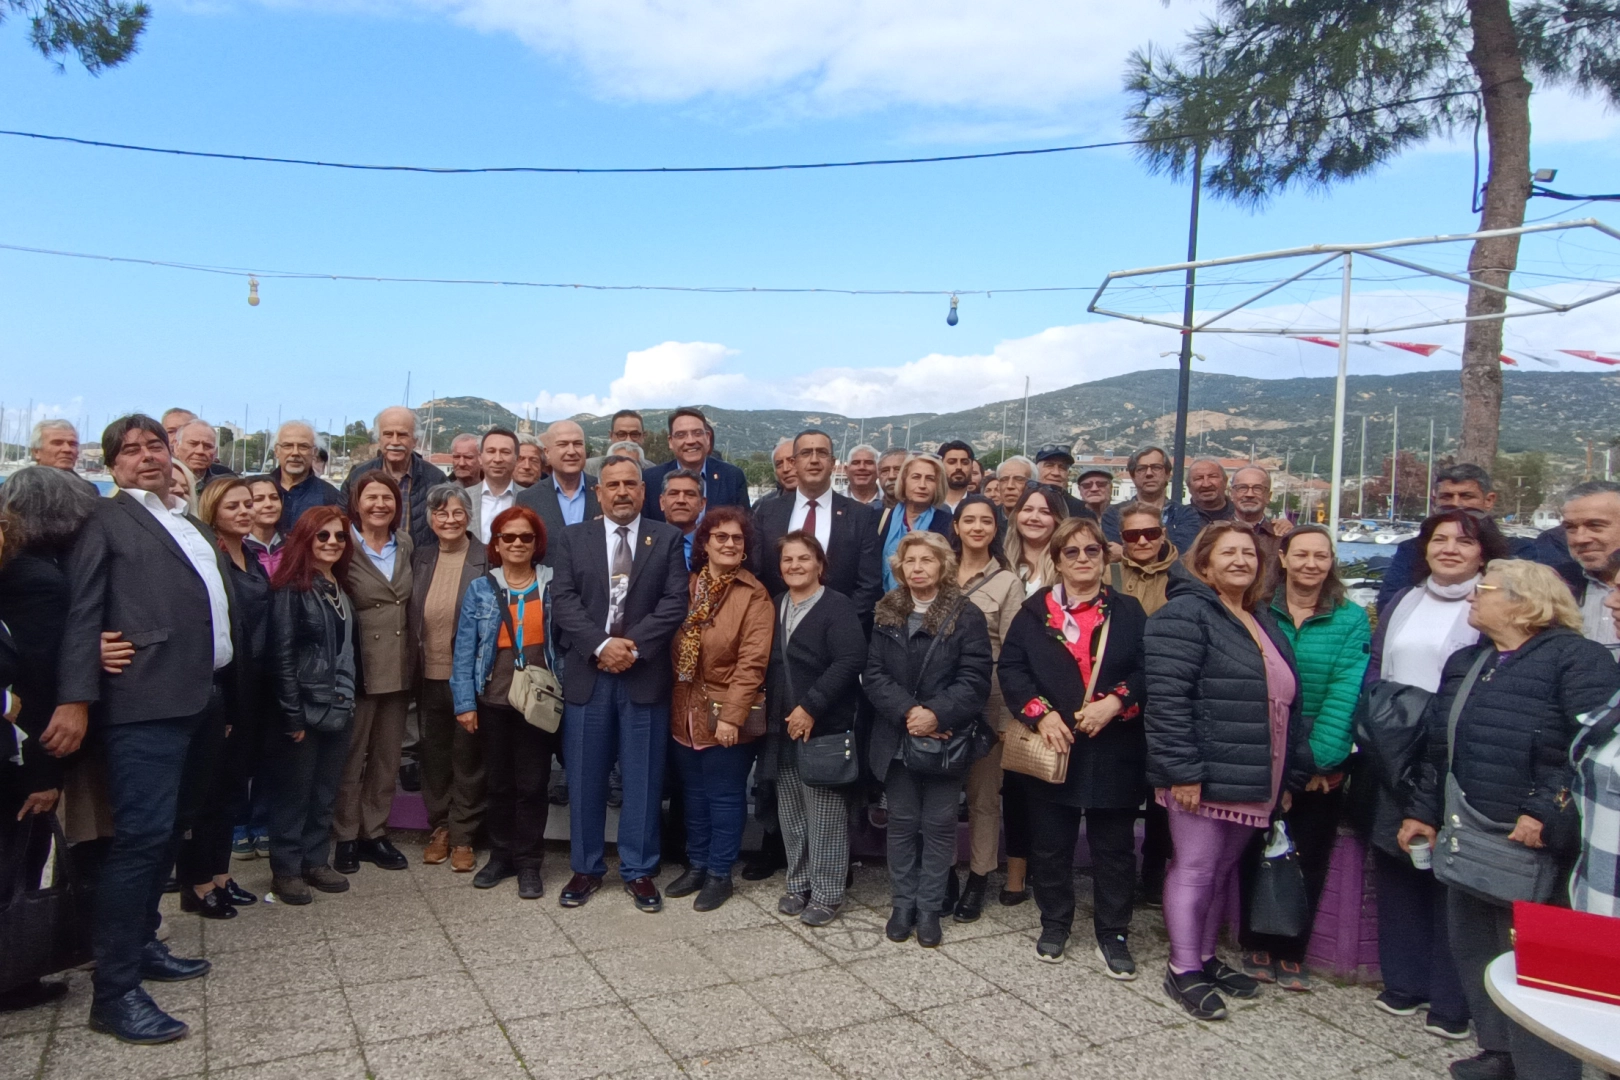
x,y
984,812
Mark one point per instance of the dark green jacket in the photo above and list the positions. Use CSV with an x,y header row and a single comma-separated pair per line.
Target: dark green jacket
x,y
1330,650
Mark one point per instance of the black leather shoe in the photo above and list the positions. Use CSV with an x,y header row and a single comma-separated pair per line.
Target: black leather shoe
x,y
238,895
645,894
382,854
900,925
135,1018
763,864
171,885
160,965
580,888
687,884
531,886
493,873
214,904
716,891
929,934
345,857
971,904
1485,1065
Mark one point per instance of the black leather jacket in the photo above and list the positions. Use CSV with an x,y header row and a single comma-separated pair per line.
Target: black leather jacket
x,y
305,639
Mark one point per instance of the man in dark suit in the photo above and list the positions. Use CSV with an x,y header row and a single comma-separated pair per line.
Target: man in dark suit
x,y
619,595
145,569
565,497
723,484
847,530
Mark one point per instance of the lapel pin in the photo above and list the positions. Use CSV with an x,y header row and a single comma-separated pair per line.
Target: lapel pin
x,y
647,540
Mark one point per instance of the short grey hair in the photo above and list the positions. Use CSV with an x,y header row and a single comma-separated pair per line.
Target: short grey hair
x,y
1592,487
893,451
50,505
626,448
681,474
863,448
1017,459
416,421
525,439
199,423
305,424
440,494
779,444
36,441
463,435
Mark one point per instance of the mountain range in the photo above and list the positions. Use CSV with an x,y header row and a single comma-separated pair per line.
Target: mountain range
x,y
1228,416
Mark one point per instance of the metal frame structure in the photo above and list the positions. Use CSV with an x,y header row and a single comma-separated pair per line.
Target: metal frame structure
x,y
1346,253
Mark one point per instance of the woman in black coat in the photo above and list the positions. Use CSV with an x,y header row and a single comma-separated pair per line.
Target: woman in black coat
x,y
928,678
1227,743
1055,682
813,690
1535,675
314,661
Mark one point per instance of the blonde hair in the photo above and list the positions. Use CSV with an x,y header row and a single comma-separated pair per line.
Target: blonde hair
x,y
1540,597
191,484
214,494
933,542
939,477
1039,561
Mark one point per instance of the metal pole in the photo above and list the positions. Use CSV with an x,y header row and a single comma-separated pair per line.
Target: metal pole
x,y
1338,403
1288,456
1361,474
1026,414
1184,378
1428,493
1394,458
1004,431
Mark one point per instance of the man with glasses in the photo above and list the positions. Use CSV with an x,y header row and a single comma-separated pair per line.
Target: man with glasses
x,y
1053,463
1096,486
625,425
1251,494
294,474
690,440
1149,470
1016,474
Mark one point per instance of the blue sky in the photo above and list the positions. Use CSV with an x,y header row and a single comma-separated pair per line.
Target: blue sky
x,y
626,82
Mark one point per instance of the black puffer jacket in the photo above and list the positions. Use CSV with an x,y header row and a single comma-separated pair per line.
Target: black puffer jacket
x,y
1516,728
954,684
1208,720
305,639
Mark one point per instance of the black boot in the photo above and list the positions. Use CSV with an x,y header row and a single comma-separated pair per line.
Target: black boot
x,y
929,934
953,890
1485,1065
901,923
971,905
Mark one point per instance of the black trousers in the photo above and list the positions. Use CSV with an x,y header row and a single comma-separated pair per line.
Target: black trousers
x,y
1414,945
1313,825
1015,823
226,757
1156,845
517,772
922,836
1111,836
304,778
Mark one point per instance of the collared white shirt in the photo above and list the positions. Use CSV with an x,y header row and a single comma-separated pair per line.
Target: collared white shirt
x,y
611,528
490,506
801,507
200,553
383,560
1597,622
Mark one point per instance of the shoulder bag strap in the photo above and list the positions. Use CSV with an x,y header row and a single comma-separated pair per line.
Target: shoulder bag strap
x,y
501,601
1457,704
1096,661
782,643
934,641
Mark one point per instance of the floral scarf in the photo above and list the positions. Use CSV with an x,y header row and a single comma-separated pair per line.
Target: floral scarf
x,y
711,592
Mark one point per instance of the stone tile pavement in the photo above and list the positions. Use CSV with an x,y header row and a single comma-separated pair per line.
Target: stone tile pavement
x,y
415,974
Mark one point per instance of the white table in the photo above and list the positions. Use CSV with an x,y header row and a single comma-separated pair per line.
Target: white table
x,y
1588,1029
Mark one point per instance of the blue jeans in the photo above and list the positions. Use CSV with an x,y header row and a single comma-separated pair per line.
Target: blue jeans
x,y
608,728
715,783
146,768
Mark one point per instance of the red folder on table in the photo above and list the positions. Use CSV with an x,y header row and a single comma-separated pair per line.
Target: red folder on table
x,y
1567,952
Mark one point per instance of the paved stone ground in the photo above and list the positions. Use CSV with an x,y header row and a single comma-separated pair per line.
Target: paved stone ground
x,y
416,975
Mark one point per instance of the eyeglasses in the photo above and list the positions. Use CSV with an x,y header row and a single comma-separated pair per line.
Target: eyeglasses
x,y
1090,551
727,539
1482,587
517,538
326,536
1136,536
457,514
1148,468
1248,489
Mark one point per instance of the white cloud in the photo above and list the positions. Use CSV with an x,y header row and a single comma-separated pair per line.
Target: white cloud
x,y
1560,116
672,372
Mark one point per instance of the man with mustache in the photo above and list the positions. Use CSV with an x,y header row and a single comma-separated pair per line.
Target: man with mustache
x,y
395,430
294,474
958,458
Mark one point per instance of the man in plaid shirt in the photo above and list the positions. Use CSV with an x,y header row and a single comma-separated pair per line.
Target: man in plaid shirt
x,y
1595,885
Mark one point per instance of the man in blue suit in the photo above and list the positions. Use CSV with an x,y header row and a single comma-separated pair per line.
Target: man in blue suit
x,y
690,441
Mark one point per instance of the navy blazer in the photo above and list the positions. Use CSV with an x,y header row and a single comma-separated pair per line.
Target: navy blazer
x,y
854,550
724,485
541,497
654,608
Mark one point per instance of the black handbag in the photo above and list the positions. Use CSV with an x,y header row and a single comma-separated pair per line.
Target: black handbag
x,y
950,757
41,928
824,761
1278,905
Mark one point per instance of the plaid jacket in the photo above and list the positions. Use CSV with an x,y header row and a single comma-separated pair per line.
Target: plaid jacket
x,y
1595,885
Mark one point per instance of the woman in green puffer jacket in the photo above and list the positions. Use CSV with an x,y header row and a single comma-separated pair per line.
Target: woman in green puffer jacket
x,y
1330,637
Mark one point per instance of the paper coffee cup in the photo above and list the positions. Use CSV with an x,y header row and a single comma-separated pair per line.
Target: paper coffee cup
x,y
1421,851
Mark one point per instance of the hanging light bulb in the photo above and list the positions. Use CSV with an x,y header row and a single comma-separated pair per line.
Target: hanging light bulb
x,y
950,320
253,292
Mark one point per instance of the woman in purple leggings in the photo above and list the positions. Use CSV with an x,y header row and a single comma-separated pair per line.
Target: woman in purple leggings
x,y
1226,746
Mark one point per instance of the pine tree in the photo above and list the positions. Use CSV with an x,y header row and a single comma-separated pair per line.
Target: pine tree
x,y
101,33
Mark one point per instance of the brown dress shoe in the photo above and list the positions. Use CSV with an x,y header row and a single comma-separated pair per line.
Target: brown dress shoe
x,y
438,847
580,888
645,894
462,859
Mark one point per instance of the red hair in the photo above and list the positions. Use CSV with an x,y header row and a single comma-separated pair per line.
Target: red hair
x,y
505,518
297,568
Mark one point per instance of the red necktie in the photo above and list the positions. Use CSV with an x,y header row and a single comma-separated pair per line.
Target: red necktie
x,y
810,519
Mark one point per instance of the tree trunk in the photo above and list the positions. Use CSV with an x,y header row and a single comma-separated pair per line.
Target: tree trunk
x,y
1506,92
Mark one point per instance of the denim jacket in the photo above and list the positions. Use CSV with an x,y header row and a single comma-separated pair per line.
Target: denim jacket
x,y
479,628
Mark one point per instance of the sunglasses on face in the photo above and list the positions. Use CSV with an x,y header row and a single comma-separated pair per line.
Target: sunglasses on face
x,y
517,538
1136,536
1090,551
726,539
326,536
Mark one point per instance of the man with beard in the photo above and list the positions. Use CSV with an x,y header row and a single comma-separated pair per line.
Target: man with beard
x,y
1096,488
395,429
958,458
1251,494
294,474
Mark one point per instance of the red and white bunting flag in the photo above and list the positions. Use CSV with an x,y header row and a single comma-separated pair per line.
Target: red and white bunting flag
x,y
1596,358
1414,347
1329,342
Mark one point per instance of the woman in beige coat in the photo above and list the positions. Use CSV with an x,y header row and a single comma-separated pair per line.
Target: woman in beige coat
x,y
984,576
1143,570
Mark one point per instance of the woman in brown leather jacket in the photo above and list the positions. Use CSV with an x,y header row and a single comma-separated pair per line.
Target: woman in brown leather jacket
x,y
720,654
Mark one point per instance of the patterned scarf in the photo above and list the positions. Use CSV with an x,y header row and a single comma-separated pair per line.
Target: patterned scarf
x,y
711,591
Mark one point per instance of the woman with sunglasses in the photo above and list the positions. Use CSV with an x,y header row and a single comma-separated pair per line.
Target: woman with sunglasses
x,y
506,614
1035,517
312,660
1329,635
1071,669
1143,570
721,654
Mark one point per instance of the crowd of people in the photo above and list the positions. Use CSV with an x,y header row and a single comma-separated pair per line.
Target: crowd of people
x,y
206,665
